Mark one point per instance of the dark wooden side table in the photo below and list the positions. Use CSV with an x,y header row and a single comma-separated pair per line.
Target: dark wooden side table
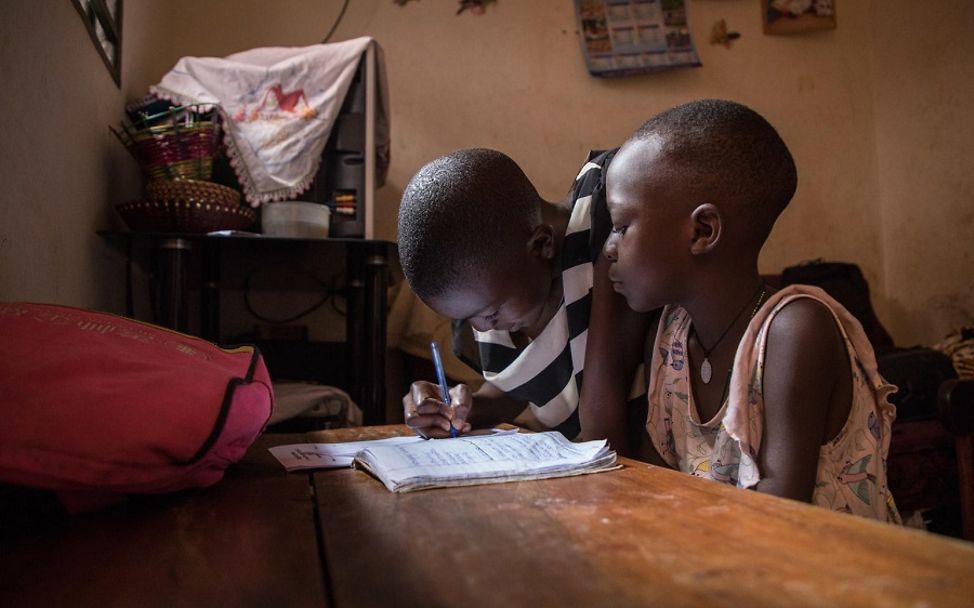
x,y
182,263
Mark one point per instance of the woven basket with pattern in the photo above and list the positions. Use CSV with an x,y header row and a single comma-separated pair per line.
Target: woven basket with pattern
x,y
179,143
190,206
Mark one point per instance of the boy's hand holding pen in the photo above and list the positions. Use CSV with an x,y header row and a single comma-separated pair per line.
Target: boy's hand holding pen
x,y
435,411
441,379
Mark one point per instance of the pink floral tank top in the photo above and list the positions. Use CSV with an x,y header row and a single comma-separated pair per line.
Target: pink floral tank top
x,y
851,467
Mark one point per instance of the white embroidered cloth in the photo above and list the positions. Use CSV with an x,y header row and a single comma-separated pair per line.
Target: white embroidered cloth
x,y
278,106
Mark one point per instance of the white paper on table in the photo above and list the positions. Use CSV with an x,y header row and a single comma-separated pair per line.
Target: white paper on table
x,y
299,456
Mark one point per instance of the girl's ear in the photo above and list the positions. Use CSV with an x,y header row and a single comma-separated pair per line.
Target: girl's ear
x,y
542,241
707,227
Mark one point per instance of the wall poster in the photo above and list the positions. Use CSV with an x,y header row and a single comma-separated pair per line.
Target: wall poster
x,y
623,37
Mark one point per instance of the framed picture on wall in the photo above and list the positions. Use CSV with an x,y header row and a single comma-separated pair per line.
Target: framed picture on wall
x,y
103,19
792,16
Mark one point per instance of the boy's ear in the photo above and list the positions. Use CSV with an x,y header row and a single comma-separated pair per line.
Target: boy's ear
x,y
707,227
542,241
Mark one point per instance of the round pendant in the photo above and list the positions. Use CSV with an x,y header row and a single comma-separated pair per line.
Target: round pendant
x,y
706,372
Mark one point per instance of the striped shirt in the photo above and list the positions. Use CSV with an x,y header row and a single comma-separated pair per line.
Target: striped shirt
x,y
547,372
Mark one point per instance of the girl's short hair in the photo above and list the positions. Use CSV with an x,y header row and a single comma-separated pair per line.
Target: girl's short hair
x,y
725,148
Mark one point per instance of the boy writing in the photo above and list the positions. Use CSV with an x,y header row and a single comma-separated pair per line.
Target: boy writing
x,y
776,391
478,244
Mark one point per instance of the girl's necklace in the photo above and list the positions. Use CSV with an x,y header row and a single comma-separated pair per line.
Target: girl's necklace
x,y
706,370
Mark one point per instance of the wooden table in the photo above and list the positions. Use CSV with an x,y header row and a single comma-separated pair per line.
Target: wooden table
x,y
250,540
639,536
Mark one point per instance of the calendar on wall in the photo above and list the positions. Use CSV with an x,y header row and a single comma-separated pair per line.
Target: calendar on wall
x,y
624,37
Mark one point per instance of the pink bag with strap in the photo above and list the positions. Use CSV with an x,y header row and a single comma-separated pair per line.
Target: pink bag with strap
x,y
96,407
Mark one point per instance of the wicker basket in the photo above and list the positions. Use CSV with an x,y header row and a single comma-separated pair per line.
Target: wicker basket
x,y
178,144
187,206
191,190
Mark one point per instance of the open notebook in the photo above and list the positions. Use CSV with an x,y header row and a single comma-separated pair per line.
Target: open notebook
x,y
483,459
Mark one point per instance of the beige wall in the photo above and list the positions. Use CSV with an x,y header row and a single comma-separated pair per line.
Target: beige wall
x,y
876,113
60,167
54,164
924,100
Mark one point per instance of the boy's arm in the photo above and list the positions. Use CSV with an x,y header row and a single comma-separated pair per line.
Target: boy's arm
x,y
426,413
616,335
645,451
643,448
802,372
492,406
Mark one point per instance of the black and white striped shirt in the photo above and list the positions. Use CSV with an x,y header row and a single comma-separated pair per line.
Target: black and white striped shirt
x,y
547,372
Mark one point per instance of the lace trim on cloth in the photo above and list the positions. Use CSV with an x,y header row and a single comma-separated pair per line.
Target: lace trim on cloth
x,y
278,106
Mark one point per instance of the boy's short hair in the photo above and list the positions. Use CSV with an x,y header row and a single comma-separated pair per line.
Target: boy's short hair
x,y
461,214
728,149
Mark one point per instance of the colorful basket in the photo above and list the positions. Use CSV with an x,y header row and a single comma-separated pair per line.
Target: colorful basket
x,y
175,145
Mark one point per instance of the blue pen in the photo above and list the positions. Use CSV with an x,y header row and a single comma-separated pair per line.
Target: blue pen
x,y
441,378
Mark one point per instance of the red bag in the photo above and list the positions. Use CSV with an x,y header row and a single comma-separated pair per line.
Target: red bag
x,y
95,406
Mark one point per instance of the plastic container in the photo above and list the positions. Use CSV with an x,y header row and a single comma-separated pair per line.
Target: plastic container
x,y
296,219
